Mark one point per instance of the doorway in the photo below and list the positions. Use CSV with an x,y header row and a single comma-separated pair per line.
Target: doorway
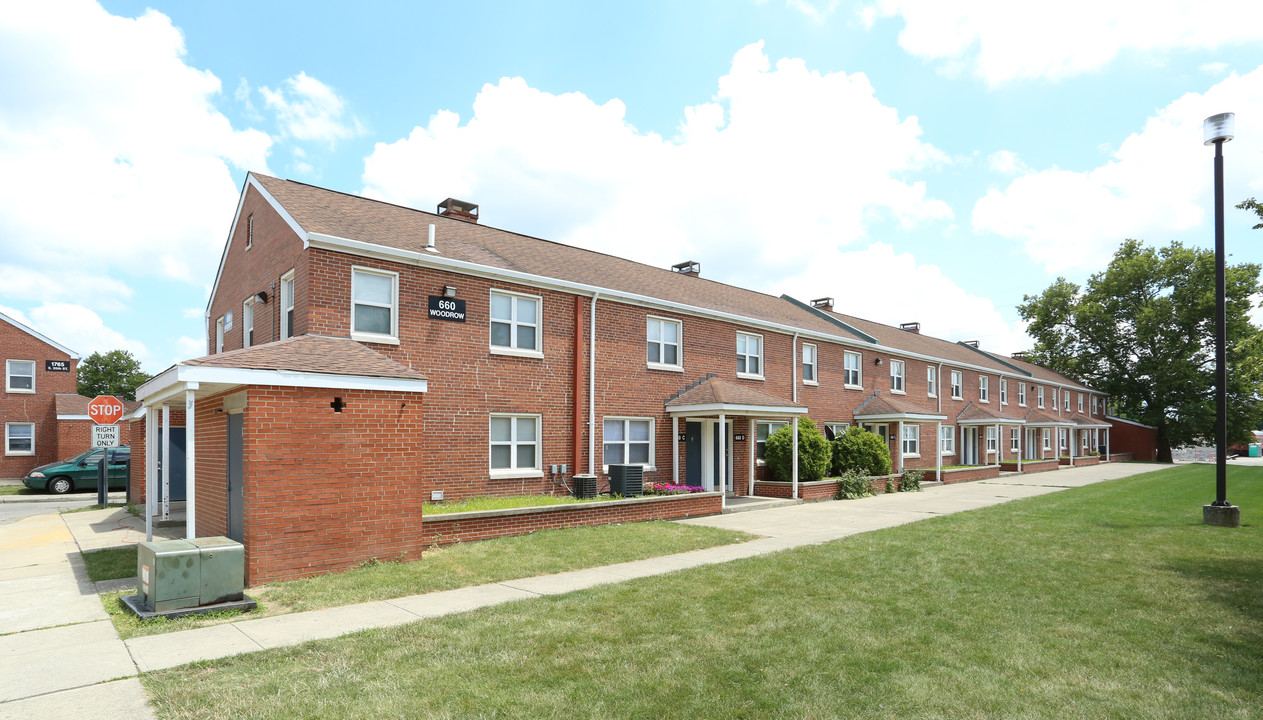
x,y
235,495
703,454
969,445
178,468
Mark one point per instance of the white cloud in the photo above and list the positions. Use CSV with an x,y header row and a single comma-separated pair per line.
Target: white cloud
x,y
1214,68
115,158
194,313
81,285
83,331
1157,185
188,347
1006,163
307,109
782,161
815,11
1004,40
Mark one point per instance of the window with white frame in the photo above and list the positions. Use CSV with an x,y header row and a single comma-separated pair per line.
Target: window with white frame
x,y
1015,439
19,376
984,388
958,385
947,440
896,376
374,299
1086,440
1094,404
514,444
628,441
911,441
1021,393
19,438
851,366
1080,402
515,322
219,335
228,320
749,355
247,323
931,381
1065,394
662,342
1004,391
809,364
991,439
1062,442
1039,398
287,305
250,231
833,431
762,431
1047,440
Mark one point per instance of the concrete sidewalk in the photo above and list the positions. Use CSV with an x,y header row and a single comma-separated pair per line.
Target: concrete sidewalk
x,y
783,528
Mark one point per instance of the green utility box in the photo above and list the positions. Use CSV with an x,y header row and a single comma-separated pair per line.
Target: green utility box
x,y
177,574
1254,449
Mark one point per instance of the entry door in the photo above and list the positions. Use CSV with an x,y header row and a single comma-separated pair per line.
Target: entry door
x,y
969,445
715,459
177,464
1032,444
702,453
693,454
235,438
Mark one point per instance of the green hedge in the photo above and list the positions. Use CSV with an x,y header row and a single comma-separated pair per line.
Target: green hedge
x,y
813,452
862,451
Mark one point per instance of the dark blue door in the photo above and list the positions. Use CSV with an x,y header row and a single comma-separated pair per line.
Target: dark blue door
x,y
693,454
177,466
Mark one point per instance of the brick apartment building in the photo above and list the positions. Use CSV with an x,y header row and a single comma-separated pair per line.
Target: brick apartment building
x,y
367,354
36,370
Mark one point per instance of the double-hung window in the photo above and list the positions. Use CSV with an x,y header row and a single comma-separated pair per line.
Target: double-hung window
x,y
1047,440
514,445
896,376
19,438
762,431
958,385
809,364
931,381
1004,391
374,304
663,343
1062,440
19,376
1080,402
991,439
287,305
628,441
1021,393
247,323
219,335
1040,397
749,356
1094,405
947,440
1066,395
984,389
515,323
1015,439
851,367
911,445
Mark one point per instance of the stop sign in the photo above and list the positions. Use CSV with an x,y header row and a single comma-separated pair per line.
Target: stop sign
x,y
105,409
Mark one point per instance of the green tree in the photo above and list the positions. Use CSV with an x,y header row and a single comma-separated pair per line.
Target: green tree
x,y
813,452
116,372
1143,331
1253,205
861,451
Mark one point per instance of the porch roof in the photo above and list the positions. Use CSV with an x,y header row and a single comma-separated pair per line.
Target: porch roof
x,y
713,396
1035,417
888,407
975,414
1084,421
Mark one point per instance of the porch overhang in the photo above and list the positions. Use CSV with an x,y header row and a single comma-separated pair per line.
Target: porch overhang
x,y
205,381
907,417
717,409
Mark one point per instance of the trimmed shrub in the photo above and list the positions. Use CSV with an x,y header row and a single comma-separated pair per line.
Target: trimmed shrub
x,y
911,481
813,452
862,451
853,485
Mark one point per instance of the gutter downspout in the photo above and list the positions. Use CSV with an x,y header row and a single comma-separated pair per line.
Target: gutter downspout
x,y
938,440
592,390
577,444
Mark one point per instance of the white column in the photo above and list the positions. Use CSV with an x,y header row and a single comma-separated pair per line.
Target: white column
x,y
166,461
1070,438
938,444
1021,440
190,472
795,463
751,441
1107,446
151,469
899,440
722,436
675,449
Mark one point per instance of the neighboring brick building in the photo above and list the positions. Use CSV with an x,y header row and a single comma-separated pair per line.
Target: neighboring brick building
x,y
36,369
539,356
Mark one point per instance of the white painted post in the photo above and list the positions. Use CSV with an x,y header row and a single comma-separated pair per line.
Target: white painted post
x,y
795,463
166,461
899,424
151,469
751,440
722,437
675,449
1021,439
938,443
190,472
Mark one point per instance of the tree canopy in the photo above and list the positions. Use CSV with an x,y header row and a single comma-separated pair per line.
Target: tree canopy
x,y
1143,331
1252,205
116,372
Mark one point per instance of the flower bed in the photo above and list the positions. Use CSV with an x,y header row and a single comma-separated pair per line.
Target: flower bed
x,y
485,524
669,489
972,472
1030,466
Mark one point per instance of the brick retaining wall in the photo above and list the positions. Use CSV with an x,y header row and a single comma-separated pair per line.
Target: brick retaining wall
x,y
981,472
1030,466
1083,460
1122,457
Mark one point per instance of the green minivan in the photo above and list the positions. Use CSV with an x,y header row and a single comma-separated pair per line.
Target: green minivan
x,y
79,472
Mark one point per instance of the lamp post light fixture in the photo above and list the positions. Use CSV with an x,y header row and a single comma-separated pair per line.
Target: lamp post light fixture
x,y
1218,129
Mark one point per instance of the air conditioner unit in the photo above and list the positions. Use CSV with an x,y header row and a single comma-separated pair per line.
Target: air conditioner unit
x,y
627,480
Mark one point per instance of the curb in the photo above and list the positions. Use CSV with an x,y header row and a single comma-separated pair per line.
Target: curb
x,y
114,497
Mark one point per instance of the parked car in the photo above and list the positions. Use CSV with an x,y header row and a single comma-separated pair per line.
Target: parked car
x,y
80,472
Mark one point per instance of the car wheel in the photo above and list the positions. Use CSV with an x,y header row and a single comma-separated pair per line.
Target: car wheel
x,y
60,485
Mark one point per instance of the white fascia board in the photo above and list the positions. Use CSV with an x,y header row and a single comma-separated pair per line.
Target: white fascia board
x,y
900,416
1111,418
1093,425
73,417
158,383
251,182
186,375
748,410
996,421
31,331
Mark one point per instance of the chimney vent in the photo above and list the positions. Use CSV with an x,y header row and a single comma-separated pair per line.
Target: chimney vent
x,y
912,327
823,303
1019,355
691,268
459,209
971,343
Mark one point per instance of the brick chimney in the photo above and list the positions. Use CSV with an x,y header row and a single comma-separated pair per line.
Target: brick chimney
x,y
823,303
691,268
459,209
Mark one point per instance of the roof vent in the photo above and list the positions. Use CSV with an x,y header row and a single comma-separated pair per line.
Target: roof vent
x,y
1019,355
912,327
971,343
459,209
824,303
691,268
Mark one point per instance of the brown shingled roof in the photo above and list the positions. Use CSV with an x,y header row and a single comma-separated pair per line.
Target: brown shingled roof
x,y
1039,372
1035,417
715,391
950,352
878,405
327,212
313,354
71,404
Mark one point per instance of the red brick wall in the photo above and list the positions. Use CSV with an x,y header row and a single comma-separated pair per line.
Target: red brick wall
x,y
466,527
75,436
136,432
1140,441
1030,466
981,472
38,407
1082,460
818,490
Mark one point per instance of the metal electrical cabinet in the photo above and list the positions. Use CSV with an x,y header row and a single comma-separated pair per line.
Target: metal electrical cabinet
x,y
177,574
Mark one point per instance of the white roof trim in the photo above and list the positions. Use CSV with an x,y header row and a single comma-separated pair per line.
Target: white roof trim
x,y
160,386
731,409
1113,419
993,421
73,355
73,417
899,416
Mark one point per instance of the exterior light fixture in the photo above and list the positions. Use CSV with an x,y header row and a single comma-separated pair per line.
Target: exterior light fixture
x,y
1218,127
877,361
449,291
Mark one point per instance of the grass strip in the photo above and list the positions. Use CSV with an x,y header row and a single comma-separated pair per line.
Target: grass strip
x,y
1108,601
111,563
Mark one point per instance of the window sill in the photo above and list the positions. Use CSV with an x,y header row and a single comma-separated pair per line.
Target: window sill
x,y
515,474
853,387
20,454
662,366
748,376
898,392
21,392
948,452
932,396
517,352
812,383
912,455
984,401
374,338
957,397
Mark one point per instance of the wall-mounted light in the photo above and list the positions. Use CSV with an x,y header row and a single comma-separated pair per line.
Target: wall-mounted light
x,y
449,291
877,361
262,296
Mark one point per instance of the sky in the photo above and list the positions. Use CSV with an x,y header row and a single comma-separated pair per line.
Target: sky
x,y
916,160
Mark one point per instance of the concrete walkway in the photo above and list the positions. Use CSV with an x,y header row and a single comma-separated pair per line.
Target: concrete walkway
x,y
61,657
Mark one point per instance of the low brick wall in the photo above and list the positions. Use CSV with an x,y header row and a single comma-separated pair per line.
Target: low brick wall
x,y
980,472
482,525
1030,466
1083,460
1122,457
818,490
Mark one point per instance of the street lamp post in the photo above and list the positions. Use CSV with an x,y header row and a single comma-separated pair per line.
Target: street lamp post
x,y
1218,130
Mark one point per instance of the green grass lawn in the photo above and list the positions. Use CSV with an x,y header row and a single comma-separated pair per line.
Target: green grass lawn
x,y
111,563
1109,601
18,490
450,567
